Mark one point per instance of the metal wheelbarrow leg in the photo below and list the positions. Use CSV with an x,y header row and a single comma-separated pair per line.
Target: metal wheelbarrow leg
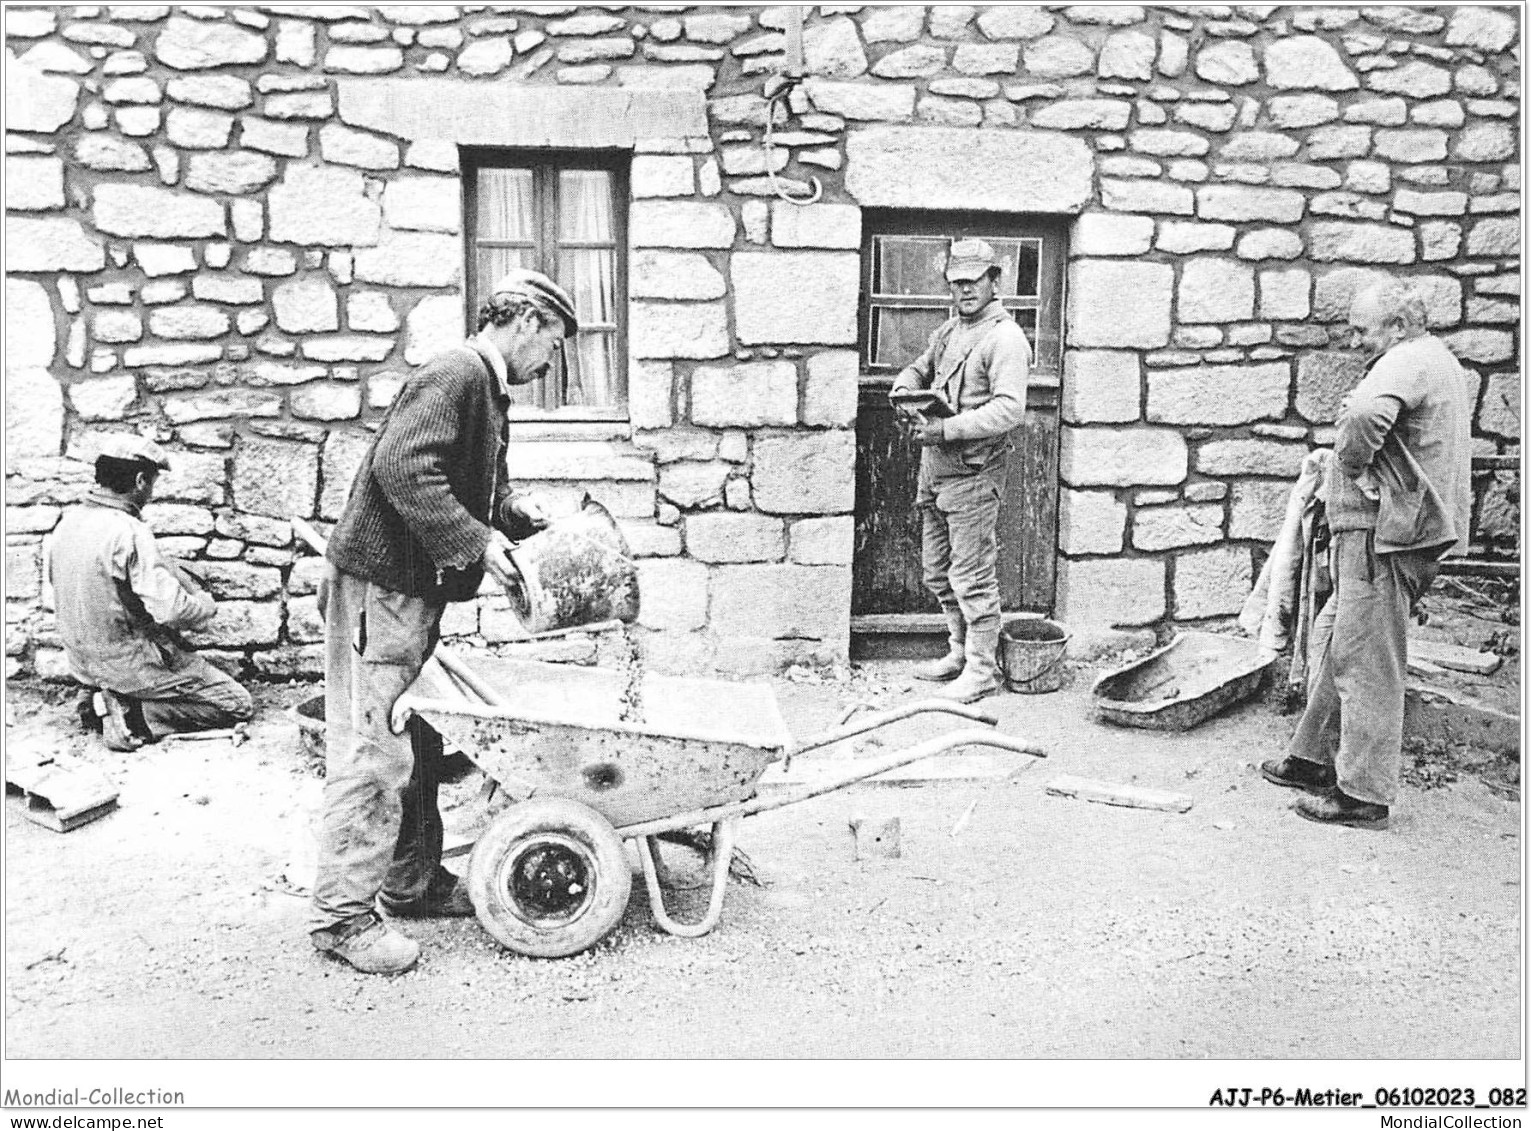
x,y
721,854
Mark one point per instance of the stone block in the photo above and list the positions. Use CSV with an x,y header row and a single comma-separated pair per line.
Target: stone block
x,y
1257,508
1101,386
276,478
1307,62
673,594
326,400
822,541
689,330
235,290
1182,237
860,102
370,311
690,224
305,305
831,391
190,321
576,459
191,45
1270,243
274,137
1483,346
1091,522
1323,380
1499,414
23,572
141,211
1239,203
1215,290
920,61
33,184
1354,242
1128,55
745,395
735,538
411,259
1410,146
239,624
1110,591
342,455
674,274
324,206
816,225
238,581
1211,583
106,153
1413,79
1146,196
1082,114
426,204
303,105
1004,170
783,602
1097,233
1121,457
1097,317
1486,29
656,175
1169,527
36,102
31,520
1295,111
805,473
1251,457
434,325
986,58
807,297
692,485
650,540
30,340
1219,394
1227,63
650,394
1494,238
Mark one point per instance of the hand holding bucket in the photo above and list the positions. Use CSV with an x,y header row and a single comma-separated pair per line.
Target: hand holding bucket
x,y
577,571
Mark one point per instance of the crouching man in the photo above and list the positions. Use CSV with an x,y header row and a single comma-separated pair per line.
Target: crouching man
x,y
121,605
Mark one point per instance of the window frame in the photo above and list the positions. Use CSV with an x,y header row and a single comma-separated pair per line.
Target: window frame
x,y
1052,265
545,165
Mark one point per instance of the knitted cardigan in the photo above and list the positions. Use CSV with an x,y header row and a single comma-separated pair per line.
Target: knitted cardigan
x,y
431,484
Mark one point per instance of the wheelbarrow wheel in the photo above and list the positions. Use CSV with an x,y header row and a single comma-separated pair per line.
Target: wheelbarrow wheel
x,y
549,878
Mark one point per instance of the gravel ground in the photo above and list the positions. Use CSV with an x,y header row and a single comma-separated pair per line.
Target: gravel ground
x,y
1043,927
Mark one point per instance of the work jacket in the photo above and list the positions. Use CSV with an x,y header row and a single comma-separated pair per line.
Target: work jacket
x,y
980,368
432,484
115,595
1403,452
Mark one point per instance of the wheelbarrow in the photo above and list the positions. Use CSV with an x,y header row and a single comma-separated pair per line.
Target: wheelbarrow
x,y
550,877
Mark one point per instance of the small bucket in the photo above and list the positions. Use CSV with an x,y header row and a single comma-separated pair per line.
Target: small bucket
x,y
1031,652
577,571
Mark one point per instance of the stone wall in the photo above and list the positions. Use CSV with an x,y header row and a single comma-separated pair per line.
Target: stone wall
x,y
236,228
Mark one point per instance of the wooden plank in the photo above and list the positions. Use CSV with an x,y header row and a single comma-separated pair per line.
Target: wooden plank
x,y
1111,793
1454,656
1462,567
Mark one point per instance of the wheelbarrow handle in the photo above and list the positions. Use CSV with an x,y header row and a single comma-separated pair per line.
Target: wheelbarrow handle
x,y
848,729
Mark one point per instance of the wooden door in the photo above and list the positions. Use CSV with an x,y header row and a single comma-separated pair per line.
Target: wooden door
x,y
886,574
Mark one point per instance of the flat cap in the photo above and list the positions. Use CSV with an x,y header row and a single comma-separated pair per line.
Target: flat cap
x,y
132,448
543,292
970,259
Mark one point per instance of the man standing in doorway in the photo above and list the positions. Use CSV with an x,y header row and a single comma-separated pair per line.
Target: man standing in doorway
x,y
1398,495
428,515
977,364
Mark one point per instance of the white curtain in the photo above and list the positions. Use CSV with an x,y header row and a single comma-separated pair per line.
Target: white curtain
x,y
590,275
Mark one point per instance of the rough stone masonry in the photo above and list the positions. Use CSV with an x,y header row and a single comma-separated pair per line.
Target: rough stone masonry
x,y
237,227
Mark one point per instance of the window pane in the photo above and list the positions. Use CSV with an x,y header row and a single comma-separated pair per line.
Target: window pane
x,y
899,335
493,263
584,204
593,371
1019,260
505,208
910,265
590,277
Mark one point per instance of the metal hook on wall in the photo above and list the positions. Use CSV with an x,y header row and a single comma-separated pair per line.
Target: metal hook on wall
x,y
778,88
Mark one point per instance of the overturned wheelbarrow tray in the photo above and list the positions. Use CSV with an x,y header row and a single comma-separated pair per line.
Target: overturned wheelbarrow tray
x,y
1183,684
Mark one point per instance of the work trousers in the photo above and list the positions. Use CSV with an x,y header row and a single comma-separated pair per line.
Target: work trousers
x,y
382,829
1358,657
959,548
191,694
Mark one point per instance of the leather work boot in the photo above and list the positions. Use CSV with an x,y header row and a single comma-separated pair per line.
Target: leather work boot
x,y
1298,773
980,671
368,944
949,666
1335,807
446,899
115,729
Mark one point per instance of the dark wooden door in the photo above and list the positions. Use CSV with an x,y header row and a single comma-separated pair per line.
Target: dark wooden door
x,y
886,576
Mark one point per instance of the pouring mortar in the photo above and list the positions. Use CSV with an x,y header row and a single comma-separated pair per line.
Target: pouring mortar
x,y
576,573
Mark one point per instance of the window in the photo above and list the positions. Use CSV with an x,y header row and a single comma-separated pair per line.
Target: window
x,y
904,294
562,214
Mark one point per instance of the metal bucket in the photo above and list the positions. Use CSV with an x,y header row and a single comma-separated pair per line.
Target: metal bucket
x,y
577,571
1031,652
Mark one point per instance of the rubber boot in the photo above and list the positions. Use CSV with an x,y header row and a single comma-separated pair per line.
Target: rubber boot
x,y
949,666
980,671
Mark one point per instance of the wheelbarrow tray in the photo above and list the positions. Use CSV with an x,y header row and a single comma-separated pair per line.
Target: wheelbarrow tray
x,y
1183,684
559,732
